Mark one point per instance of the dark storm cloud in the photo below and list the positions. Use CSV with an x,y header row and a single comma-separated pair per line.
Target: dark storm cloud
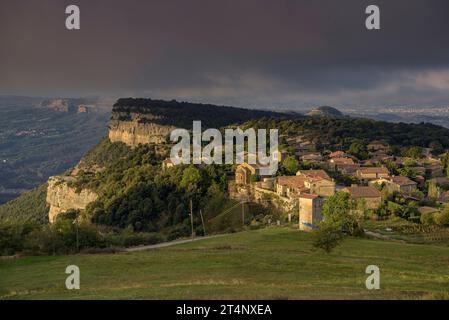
x,y
265,53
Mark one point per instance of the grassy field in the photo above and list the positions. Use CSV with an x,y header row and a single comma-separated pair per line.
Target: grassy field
x,y
277,263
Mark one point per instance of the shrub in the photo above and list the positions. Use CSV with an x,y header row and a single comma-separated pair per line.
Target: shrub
x,y
442,218
179,232
427,218
141,239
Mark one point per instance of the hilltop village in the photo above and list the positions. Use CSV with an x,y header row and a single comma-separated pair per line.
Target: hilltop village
x,y
384,183
381,179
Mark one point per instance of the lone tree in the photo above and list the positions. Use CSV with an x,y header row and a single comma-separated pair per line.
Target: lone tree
x,y
339,216
327,237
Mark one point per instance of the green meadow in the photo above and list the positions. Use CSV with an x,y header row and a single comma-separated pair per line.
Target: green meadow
x,y
274,263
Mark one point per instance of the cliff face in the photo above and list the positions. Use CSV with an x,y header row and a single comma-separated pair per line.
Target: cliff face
x,y
134,132
134,128
135,121
61,197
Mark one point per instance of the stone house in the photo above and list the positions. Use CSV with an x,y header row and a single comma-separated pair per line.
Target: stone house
x,y
397,183
310,211
372,173
341,164
369,194
349,169
306,181
318,182
290,186
434,170
244,172
312,158
403,184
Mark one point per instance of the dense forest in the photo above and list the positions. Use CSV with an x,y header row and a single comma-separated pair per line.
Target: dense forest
x,y
340,133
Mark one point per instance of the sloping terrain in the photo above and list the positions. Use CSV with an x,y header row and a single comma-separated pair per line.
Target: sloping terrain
x,y
275,263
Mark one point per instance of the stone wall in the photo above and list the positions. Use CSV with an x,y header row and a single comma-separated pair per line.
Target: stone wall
x,y
262,196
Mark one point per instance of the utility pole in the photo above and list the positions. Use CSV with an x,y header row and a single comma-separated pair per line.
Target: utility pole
x,y
191,217
202,221
77,236
243,213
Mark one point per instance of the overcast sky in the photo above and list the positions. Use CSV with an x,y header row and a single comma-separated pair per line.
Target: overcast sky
x,y
246,53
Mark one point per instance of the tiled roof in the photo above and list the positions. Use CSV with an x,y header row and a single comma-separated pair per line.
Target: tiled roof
x,y
402,181
291,181
308,196
343,161
337,154
314,174
362,192
374,170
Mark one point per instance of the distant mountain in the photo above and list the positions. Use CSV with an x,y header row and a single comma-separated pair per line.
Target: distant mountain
x,y
325,111
81,105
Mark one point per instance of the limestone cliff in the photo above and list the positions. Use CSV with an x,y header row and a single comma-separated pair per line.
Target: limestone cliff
x,y
61,197
135,121
133,133
134,127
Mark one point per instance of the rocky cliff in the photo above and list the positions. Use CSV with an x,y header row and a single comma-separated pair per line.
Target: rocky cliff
x,y
135,121
61,197
135,132
138,125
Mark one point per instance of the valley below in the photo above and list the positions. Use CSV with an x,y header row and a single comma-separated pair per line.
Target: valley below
x,y
37,142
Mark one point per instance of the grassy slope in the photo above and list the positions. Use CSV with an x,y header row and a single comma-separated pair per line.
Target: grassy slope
x,y
271,263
